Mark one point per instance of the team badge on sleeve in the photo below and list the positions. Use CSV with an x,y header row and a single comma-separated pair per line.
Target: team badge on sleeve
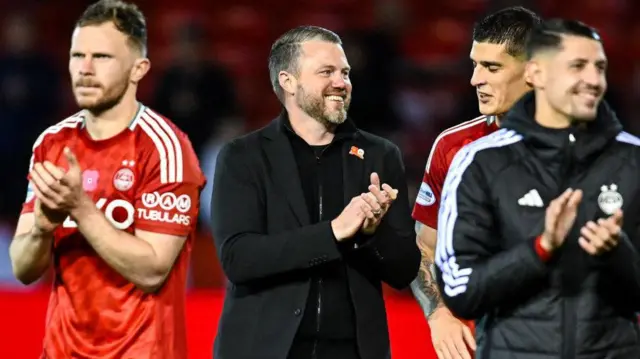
x,y
425,195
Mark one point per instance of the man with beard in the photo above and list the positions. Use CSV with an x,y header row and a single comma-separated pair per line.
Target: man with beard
x,y
531,236
111,205
310,216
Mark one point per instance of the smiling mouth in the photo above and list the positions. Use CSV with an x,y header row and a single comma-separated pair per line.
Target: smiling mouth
x,y
335,98
588,96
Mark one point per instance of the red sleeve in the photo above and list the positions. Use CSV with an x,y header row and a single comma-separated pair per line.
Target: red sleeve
x,y
36,156
427,203
168,198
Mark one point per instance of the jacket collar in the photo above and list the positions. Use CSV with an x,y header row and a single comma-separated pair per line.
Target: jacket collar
x,y
590,137
282,125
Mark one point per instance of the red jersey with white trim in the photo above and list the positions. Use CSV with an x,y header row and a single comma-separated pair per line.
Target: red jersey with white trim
x,y
148,178
444,148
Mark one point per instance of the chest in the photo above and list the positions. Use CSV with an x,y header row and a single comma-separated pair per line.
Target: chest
x,y
110,176
523,192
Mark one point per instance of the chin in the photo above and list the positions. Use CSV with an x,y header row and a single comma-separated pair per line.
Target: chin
x,y
86,104
585,117
335,117
487,109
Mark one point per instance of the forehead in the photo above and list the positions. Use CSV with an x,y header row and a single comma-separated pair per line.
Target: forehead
x,y
318,53
485,51
96,38
577,47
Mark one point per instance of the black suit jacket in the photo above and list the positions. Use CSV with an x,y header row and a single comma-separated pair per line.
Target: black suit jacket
x,y
266,244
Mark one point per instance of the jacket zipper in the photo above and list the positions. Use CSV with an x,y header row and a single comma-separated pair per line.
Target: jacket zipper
x,y
314,353
569,303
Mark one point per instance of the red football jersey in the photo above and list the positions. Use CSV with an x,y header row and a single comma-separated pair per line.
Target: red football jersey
x,y
444,148
148,178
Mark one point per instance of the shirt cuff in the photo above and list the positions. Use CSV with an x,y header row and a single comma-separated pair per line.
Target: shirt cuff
x,y
542,253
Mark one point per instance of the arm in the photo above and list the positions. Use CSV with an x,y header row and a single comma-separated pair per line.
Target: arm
x,y
239,222
425,212
145,259
475,274
30,250
393,247
425,287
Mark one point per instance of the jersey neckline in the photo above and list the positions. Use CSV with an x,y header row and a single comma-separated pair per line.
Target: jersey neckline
x,y
86,138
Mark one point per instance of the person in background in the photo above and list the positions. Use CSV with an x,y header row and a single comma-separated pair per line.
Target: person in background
x,y
538,226
498,58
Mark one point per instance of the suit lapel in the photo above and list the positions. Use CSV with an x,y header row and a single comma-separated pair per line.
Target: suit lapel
x,y
284,171
353,169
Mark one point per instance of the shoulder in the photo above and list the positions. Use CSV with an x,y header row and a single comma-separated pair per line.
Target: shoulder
x,y
628,146
487,151
60,130
449,141
158,131
243,147
628,139
378,143
160,140
457,136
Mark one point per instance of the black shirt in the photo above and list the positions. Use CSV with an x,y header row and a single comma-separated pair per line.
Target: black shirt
x,y
329,319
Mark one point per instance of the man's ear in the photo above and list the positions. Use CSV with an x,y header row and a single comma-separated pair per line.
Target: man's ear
x,y
140,68
288,82
534,74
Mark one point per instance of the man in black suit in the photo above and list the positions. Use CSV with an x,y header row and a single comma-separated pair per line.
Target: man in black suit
x,y
303,229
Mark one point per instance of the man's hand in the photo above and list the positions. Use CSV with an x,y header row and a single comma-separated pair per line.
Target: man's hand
x,y
46,219
602,237
379,199
451,338
57,190
347,224
559,219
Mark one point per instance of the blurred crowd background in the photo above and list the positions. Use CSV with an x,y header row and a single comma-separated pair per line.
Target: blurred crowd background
x,y
209,75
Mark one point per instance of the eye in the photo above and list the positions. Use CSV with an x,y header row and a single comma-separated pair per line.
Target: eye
x,y
578,66
493,69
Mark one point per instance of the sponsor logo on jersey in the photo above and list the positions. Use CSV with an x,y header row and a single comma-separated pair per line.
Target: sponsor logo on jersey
x,y
119,212
158,207
90,180
123,179
425,195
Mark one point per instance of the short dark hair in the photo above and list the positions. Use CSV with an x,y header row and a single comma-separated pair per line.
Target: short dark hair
x,y
509,26
126,17
285,51
548,35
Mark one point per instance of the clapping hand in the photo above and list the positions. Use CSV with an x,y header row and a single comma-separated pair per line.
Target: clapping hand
x,y
602,237
379,198
58,190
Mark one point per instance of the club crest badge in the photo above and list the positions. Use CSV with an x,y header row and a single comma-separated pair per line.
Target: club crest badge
x,y
610,199
123,179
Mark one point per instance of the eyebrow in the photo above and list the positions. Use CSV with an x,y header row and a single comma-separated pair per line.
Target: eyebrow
x,y
347,68
490,64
